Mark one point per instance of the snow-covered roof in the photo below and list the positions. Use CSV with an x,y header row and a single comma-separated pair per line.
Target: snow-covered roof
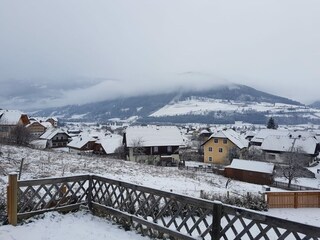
x,y
250,165
204,131
263,133
80,141
148,136
233,136
10,117
110,143
50,133
285,143
44,124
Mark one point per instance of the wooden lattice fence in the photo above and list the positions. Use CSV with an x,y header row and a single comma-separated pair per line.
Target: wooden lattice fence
x,y
156,213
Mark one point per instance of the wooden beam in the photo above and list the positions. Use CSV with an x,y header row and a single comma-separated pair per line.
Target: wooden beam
x,y
12,199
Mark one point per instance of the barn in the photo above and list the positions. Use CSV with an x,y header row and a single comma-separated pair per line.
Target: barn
x,y
250,171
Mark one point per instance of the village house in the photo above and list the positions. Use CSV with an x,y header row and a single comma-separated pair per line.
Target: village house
x,y
156,144
108,144
55,138
9,119
53,121
250,171
95,143
259,137
222,146
204,135
82,144
36,128
277,148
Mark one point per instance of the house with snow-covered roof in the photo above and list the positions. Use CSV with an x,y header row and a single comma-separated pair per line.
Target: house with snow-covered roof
x,y
222,145
258,138
157,144
95,143
55,138
108,144
11,118
82,143
37,128
277,148
250,171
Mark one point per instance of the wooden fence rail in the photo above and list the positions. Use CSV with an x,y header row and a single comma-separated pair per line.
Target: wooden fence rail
x,y
156,213
301,199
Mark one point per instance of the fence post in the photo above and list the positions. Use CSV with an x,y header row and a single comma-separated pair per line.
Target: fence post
x,y
12,191
295,197
89,196
216,218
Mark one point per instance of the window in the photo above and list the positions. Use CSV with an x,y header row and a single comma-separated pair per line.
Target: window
x,y
225,141
169,148
155,149
216,140
210,159
220,150
210,149
271,156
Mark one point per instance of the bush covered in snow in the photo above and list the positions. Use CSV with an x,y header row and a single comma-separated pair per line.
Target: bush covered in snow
x,y
249,201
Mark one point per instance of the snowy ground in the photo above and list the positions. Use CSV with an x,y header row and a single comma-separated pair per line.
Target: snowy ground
x,y
73,226
39,164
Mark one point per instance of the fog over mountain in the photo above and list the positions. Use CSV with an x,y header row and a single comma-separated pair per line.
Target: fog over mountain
x,y
222,104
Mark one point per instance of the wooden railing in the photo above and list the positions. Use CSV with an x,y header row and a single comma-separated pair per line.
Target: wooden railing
x,y
156,213
28,198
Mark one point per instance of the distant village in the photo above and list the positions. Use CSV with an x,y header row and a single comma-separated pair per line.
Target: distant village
x,y
240,151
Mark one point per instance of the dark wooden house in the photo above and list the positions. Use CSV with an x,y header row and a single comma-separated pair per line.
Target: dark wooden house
x,y
250,171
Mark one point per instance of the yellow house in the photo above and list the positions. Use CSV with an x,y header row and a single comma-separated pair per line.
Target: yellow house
x,y
221,145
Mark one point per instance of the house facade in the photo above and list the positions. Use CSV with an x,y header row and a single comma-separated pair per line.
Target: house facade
x,y
155,144
36,129
56,138
221,146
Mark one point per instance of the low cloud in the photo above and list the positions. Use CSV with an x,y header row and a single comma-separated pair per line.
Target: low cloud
x,y
28,95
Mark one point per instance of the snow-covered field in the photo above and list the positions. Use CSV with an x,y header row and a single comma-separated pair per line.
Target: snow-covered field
x,y
199,106
39,164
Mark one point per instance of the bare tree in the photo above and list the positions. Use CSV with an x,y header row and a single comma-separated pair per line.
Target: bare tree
x,y
294,164
120,152
20,135
253,153
233,153
137,148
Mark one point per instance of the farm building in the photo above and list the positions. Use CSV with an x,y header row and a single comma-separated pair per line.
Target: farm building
x,y
250,171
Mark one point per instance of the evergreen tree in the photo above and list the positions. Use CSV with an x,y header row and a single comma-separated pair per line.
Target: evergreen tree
x,y
271,123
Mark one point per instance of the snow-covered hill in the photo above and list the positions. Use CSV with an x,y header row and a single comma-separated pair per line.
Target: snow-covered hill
x,y
221,105
202,106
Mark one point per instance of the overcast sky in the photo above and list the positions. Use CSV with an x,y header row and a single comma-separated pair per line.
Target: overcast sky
x,y
61,52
